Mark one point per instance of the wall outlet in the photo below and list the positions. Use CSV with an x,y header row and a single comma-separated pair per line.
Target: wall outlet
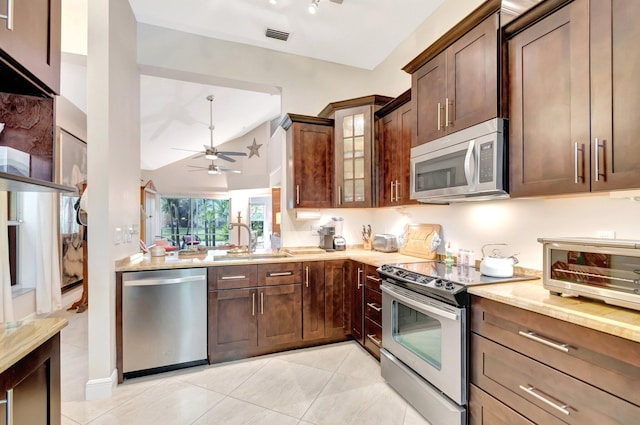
x,y
117,235
606,234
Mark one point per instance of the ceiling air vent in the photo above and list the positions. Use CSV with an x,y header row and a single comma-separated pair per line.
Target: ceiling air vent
x,y
278,35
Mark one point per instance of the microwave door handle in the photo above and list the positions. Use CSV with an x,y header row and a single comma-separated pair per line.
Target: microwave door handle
x,y
467,164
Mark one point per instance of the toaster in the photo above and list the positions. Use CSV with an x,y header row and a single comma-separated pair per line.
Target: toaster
x,y
385,242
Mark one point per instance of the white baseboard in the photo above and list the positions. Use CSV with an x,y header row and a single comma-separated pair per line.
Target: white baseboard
x,y
97,389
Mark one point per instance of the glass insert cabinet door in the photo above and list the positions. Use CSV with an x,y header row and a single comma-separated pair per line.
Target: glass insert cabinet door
x,y
353,157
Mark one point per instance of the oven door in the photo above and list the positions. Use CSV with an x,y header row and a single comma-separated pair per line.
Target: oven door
x,y
428,336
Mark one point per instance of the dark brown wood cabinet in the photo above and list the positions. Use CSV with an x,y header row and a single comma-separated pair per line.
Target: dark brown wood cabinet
x,y
337,300
34,386
30,42
310,172
313,300
549,105
253,309
549,371
572,87
459,86
486,410
395,124
356,288
354,175
372,311
280,315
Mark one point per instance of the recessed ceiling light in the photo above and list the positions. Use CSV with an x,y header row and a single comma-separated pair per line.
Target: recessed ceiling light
x,y
273,1
313,7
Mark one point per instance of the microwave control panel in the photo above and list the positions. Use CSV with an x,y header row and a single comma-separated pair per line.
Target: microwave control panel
x,y
486,162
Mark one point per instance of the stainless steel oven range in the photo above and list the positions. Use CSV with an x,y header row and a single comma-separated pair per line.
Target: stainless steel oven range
x,y
424,355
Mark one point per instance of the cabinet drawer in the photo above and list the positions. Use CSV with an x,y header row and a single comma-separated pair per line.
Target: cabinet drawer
x,y
541,393
605,361
372,337
279,274
373,305
372,278
232,277
486,410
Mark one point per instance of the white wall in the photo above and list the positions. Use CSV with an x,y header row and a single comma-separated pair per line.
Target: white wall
x,y
113,130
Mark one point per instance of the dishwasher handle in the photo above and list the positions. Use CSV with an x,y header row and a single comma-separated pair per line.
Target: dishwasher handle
x,y
166,281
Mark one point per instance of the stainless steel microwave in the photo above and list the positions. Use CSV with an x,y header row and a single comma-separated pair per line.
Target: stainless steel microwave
x,y
470,164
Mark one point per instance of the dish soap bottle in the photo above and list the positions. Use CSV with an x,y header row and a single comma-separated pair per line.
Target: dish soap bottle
x,y
448,261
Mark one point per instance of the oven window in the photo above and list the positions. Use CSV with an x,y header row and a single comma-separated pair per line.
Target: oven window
x,y
419,333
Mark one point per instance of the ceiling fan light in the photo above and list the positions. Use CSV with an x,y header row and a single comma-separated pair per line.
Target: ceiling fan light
x,y
211,156
313,7
212,171
273,1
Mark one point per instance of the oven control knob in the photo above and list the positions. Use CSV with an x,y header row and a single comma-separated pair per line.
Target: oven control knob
x,y
438,283
449,286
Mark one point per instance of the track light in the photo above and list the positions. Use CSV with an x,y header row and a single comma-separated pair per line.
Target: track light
x,y
313,7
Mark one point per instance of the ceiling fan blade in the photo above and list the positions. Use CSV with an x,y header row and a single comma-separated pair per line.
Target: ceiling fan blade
x,y
203,169
188,150
198,156
228,170
232,153
225,157
195,166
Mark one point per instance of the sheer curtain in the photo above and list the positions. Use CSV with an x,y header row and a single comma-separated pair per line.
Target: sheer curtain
x,y
6,300
40,228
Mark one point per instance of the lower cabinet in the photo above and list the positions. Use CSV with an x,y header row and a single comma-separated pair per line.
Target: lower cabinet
x,y
372,311
548,371
356,289
280,315
32,386
313,300
259,309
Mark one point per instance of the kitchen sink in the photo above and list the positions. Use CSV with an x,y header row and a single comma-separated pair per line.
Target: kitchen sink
x,y
251,256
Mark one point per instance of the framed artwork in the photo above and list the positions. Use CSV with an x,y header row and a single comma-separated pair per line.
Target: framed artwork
x,y
72,160
71,170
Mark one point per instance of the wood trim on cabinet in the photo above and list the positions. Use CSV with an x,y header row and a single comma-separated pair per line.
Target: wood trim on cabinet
x,y
394,104
535,14
376,100
474,18
289,119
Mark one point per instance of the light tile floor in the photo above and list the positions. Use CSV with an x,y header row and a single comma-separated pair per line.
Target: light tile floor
x,y
337,384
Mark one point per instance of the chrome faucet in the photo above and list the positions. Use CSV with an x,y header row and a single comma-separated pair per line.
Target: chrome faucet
x,y
253,240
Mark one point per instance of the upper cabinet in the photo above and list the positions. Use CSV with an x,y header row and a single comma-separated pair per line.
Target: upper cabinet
x,y
455,82
30,42
310,165
573,88
395,123
354,176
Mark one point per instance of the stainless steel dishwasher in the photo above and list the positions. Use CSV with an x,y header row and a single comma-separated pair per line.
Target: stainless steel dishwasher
x,y
164,320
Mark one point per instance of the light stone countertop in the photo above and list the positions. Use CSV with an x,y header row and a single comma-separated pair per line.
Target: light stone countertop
x,y
18,339
530,295
139,262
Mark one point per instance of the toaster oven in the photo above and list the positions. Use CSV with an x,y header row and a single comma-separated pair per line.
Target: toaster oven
x,y
603,269
385,242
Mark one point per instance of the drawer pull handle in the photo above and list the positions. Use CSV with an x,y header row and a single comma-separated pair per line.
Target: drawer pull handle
x,y
9,409
9,15
375,279
253,303
373,306
276,274
532,335
233,277
375,340
532,391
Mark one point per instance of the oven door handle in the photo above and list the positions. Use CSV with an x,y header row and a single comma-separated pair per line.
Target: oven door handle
x,y
420,306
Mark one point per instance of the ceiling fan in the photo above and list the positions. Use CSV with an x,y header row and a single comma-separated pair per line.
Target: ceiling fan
x,y
210,152
214,169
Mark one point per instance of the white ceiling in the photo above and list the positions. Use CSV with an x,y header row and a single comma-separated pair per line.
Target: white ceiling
x,y
175,113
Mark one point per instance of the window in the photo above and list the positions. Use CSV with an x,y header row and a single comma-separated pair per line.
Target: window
x,y
188,220
13,218
257,222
